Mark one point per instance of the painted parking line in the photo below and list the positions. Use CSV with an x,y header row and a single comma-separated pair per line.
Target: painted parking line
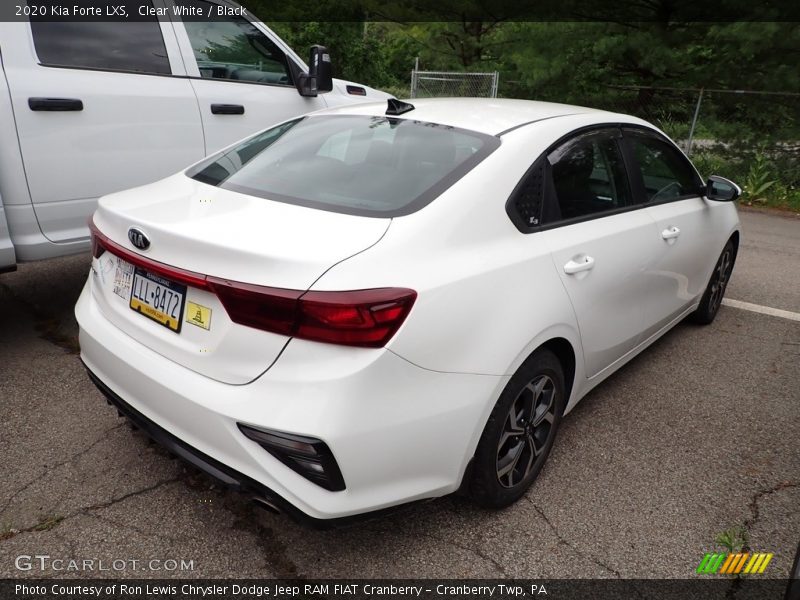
x,y
764,310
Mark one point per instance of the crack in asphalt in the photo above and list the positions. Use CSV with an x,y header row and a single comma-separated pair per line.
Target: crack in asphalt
x,y
274,550
124,497
476,551
755,512
58,465
569,544
492,560
755,515
85,510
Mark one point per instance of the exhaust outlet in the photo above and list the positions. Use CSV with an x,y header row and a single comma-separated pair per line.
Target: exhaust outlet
x,y
266,505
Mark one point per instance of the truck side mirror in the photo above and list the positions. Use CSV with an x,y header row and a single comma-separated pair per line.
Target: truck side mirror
x,y
319,78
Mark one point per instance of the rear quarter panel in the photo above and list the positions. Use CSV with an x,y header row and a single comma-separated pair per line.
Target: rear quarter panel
x,y
488,295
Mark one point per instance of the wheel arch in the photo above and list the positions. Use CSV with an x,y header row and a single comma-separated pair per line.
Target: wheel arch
x,y
564,341
565,353
735,236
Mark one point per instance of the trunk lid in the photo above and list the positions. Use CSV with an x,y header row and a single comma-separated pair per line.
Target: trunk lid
x,y
221,234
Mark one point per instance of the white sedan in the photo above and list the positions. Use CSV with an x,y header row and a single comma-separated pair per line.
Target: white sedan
x,y
372,305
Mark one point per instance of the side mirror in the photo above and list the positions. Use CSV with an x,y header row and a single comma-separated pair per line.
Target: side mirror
x,y
319,78
721,189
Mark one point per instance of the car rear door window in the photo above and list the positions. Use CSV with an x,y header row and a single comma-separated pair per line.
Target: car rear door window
x,y
136,45
589,176
233,48
581,177
665,172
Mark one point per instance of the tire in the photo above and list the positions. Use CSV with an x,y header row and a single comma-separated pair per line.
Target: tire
x,y
793,589
514,447
715,291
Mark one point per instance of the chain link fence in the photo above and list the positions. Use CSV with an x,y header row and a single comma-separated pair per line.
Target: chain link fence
x,y
749,136
437,84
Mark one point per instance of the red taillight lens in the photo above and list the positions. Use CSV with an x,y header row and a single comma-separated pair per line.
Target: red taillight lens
x,y
97,246
359,318
354,318
270,309
367,318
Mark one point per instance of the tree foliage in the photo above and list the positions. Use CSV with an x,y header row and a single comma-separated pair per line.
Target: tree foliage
x,y
588,63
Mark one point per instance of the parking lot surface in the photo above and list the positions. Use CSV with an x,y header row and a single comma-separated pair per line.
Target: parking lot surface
x,y
696,437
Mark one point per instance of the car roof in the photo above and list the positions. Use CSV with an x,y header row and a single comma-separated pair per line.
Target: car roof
x,y
492,116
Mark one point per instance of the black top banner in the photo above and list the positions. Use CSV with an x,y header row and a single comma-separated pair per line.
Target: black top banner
x,y
404,10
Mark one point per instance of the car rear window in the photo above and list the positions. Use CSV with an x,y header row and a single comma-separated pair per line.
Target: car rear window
x,y
371,166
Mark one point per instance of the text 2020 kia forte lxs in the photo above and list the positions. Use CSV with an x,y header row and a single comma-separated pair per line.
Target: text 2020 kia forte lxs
x,y
368,305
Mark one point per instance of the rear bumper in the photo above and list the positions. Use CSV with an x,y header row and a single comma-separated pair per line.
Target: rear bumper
x,y
231,478
399,433
205,463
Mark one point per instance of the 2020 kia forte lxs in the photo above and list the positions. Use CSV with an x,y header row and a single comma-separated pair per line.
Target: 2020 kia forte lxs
x,y
372,305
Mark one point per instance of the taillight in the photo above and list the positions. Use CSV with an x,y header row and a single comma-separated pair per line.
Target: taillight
x,y
367,318
269,309
358,318
97,247
354,318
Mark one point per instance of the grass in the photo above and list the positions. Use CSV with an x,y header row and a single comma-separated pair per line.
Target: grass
x,y
48,523
7,531
768,179
734,539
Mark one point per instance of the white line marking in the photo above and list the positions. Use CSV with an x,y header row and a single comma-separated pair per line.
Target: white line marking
x,y
764,310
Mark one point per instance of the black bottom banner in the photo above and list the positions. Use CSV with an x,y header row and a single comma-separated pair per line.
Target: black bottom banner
x,y
425,589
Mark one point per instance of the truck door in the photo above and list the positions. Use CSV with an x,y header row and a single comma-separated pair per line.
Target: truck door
x,y
97,110
239,71
7,256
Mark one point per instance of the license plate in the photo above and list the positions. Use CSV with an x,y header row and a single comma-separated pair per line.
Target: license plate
x,y
158,299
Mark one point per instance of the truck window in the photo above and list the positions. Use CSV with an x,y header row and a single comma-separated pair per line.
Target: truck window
x,y
232,48
135,46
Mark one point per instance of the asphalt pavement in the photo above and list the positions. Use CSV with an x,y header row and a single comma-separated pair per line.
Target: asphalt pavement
x,y
696,437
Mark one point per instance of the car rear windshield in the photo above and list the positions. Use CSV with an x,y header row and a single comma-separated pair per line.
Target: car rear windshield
x,y
371,166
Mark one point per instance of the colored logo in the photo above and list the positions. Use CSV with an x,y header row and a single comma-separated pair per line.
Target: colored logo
x,y
199,315
743,563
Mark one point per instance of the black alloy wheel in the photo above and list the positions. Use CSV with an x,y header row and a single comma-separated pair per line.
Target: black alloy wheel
x,y
526,431
520,432
712,298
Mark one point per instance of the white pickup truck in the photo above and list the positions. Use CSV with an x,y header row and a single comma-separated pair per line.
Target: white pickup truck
x,y
88,108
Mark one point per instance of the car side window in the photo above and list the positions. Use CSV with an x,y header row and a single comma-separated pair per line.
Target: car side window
x,y
581,177
666,173
589,177
135,46
234,49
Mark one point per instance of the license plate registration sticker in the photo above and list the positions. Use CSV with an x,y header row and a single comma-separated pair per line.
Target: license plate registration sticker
x,y
158,299
123,277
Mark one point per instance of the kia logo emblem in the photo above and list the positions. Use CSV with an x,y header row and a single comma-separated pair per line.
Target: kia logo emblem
x,y
138,238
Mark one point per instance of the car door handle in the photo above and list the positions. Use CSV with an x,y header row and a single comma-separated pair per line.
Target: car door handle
x,y
227,109
576,266
55,104
670,233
